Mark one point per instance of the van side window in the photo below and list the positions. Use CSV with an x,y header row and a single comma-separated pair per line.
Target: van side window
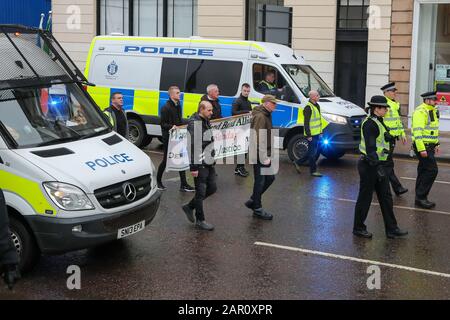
x,y
268,80
201,73
172,73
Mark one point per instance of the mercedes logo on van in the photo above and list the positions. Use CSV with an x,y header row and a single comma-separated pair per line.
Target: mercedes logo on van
x,y
129,191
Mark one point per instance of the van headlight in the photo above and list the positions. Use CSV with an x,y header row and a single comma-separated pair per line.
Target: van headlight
x,y
68,197
334,118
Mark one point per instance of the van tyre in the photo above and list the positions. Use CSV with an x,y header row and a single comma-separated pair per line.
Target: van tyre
x,y
25,244
298,147
138,133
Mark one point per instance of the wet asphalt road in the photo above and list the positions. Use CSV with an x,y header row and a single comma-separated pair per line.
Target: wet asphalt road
x,y
172,260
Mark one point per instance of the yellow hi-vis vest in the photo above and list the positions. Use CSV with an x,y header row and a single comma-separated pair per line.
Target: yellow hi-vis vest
x,y
270,86
425,126
315,123
382,144
392,119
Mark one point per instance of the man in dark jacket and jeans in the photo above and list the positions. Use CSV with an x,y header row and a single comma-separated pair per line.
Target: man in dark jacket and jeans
x,y
261,140
9,259
242,106
202,163
212,96
171,117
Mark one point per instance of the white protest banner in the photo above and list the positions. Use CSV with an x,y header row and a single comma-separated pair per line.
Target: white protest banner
x,y
231,136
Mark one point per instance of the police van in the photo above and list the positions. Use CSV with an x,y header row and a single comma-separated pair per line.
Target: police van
x,y
70,182
142,69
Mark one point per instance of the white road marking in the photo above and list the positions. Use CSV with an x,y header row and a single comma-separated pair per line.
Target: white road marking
x,y
338,256
437,181
402,207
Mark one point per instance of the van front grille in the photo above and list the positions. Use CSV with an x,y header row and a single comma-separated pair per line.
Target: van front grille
x,y
124,192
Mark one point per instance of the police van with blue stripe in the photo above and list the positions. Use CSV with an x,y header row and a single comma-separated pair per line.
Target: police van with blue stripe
x,y
143,68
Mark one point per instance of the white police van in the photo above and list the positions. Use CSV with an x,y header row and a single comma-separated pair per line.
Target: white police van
x,y
142,69
69,181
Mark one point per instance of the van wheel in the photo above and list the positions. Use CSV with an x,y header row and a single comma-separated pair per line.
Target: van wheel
x,y
137,132
147,140
25,244
297,147
332,154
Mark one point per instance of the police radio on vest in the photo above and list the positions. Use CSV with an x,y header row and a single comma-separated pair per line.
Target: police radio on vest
x,y
174,51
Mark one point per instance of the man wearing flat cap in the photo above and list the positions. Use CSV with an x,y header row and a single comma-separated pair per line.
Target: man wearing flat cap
x,y
374,148
261,140
393,121
425,129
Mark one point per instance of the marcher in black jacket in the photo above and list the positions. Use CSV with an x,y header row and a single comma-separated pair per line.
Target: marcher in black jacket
x,y
9,259
171,117
213,97
242,106
201,152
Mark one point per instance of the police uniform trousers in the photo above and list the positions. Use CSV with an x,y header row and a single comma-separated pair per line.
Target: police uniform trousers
x,y
389,168
8,253
427,171
205,186
370,182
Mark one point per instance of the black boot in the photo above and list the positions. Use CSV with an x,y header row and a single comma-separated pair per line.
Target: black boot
x,y
11,274
424,203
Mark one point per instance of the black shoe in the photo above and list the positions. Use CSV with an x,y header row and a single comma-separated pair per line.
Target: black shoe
x,y
401,191
189,212
241,172
11,275
204,225
249,204
397,233
424,203
187,188
161,187
363,234
261,214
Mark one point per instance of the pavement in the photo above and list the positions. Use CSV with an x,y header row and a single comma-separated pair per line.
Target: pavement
x,y
402,150
306,252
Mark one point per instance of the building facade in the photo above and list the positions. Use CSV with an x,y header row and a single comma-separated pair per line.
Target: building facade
x,y
355,45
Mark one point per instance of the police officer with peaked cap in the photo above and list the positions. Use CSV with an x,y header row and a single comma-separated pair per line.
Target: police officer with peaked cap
x,y
393,121
425,133
374,148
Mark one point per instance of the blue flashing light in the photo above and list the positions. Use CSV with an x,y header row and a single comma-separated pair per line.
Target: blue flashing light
x,y
325,142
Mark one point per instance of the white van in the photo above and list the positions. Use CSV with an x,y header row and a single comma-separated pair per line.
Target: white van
x,y
69,181
142,69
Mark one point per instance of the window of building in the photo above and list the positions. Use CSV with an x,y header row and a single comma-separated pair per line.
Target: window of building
x,y
269,20
152,18
433,56
353,14
201,73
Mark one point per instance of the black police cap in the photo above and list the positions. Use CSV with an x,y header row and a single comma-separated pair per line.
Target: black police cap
x,y
378,101
429,95
389,87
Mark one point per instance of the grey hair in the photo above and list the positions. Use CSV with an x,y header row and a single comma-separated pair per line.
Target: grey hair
x,y
210,87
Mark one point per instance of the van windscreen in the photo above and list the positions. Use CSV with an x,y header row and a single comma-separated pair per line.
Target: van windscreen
x,y
33,117
307,79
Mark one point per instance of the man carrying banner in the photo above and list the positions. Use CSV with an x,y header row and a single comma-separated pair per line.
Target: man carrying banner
x,y
171,118
261,137
201,151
